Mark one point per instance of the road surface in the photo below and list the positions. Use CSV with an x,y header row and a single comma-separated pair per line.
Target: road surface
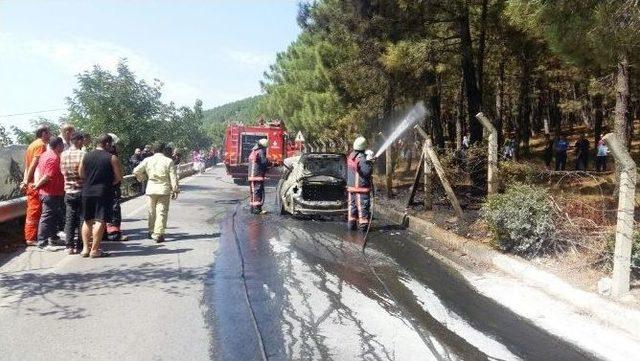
x,y
229,285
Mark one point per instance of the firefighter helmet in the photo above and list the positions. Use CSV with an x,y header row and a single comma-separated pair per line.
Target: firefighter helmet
x,y
360,144
263,142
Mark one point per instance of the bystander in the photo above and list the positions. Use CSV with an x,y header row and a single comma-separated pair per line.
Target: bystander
x,y
101,171
601,158
70,163
50,187
561,145
582,153
162,186
34,207
66,131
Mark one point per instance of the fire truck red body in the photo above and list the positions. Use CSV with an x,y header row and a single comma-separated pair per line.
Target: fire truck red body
x,y
239,140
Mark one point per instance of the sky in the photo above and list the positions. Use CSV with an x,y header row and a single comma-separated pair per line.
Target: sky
x,y
215,50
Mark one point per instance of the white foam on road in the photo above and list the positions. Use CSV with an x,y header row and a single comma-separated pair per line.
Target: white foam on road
x,y
456,324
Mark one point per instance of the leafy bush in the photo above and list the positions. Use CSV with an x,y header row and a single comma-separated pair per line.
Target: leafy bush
x,y
512,172
635,249
521,219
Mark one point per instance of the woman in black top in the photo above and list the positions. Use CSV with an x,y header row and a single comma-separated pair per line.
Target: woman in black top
x,y
100,170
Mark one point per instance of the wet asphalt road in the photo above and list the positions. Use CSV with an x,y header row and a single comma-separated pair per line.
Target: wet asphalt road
x,y
289,289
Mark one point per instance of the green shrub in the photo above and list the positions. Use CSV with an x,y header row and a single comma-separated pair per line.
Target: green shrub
x,y
635,249
512,172
521,219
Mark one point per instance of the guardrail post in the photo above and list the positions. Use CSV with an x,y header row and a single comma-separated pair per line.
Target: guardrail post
x,y
492,166
624,225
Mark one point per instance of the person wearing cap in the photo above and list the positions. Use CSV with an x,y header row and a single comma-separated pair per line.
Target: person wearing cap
x,y
34,206
162,186
258,165
70,161
359,183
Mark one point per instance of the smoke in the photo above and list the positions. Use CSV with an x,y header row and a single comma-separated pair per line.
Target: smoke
x,y
406,121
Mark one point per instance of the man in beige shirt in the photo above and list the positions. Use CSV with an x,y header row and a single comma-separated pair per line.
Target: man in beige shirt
x,y
162,186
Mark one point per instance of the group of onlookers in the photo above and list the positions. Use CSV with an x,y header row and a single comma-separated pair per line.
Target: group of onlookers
x,y
559,147
76,191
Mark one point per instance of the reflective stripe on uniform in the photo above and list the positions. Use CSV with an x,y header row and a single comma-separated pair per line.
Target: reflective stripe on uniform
x,y
350,209
256,179
358,190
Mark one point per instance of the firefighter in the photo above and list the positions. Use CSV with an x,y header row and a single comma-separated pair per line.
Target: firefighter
x,y
359,183
258,164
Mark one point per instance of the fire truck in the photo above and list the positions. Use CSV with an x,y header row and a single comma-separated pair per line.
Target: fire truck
x,y
239,140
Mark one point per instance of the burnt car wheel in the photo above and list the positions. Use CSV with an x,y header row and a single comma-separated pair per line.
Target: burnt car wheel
x,y
279,203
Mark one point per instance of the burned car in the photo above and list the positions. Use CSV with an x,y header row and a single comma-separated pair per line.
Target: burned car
x,y
313,184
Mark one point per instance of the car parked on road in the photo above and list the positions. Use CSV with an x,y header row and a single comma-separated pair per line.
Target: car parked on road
x,y
313,184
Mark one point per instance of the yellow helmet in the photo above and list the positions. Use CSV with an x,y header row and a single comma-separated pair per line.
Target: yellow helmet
x,y
264,143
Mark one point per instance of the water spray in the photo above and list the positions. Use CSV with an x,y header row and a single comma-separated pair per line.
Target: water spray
x,y
408,119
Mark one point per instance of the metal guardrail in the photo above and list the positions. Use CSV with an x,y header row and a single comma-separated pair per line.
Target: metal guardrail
x,y
15,208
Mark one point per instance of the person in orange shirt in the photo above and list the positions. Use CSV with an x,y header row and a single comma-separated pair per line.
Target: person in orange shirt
x,y
34,207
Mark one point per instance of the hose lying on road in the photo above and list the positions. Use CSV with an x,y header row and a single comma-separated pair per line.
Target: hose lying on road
x,y
254,321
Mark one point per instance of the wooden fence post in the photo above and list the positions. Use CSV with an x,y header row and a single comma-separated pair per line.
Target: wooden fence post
x,y
428,178
624,225
492,166
433,156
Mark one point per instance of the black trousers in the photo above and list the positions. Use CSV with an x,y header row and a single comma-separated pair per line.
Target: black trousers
x,y
359,210
256,201
73,208
582,162
561,160
113,232
49,219
601,163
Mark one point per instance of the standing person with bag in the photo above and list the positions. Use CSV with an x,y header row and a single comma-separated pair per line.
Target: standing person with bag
x,y
162,186
101,171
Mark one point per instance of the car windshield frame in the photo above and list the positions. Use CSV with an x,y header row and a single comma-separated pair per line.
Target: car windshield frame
x,y
327,171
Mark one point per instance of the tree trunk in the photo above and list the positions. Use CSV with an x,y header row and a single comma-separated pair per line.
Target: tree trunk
x,y
499,103
408,150
481,47
598,116
469,75
460,117
524,109
585,112
436,118
555,117
621,119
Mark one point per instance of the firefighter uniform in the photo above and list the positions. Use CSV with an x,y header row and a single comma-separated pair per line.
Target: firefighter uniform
x,y
359,183
258,164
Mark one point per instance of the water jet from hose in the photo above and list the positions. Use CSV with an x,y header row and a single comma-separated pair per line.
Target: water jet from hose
x,y
407,120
